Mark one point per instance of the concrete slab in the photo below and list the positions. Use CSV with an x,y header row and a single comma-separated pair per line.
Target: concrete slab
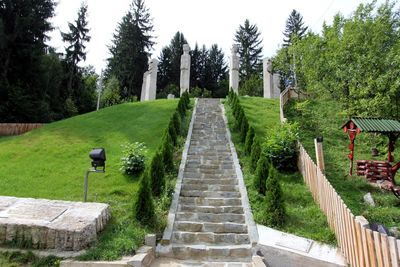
x,y
51,224
282,249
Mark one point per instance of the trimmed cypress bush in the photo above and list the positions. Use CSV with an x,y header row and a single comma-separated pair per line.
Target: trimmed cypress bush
x,y
244,127
181,108
172,132
157,175
239,118
275,207
143,205
187,99
236,108
167,150
177,123
249,140
261,174
255,153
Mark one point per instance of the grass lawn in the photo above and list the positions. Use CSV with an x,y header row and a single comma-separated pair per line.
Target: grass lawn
x,y
304,218
50,162
326,118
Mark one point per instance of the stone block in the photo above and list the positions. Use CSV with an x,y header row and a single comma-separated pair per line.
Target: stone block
x,y
150,240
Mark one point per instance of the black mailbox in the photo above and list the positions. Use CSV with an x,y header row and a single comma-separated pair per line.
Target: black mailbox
x,y
98,156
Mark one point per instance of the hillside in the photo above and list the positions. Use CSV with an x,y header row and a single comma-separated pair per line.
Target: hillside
x,y
50,162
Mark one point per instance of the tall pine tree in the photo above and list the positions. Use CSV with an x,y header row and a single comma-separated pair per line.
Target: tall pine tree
x,y
23,28
76,38
130,50
248,39
294,27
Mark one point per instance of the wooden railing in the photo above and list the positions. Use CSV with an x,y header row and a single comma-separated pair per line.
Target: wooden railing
x,y
17,128
360,245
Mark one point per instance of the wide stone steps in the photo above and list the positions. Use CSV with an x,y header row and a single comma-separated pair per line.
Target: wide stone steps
x,y
210,217
211,187
211,209
207,201
212,253
210,238
207,181
223,227
214,194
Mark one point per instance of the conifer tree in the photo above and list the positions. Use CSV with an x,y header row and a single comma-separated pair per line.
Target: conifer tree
x,y
261,174
249,140
248,39
294,27
143,205
275,208
130,50
157,175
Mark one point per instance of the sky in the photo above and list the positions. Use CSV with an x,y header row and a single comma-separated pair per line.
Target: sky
x,y
203,21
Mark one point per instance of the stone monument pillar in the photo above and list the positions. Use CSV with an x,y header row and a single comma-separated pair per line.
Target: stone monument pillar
x,y
149,86
234,70
276,85
268,78
185,69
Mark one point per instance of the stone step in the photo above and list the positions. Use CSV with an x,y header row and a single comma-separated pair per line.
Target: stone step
x,y
195,175
213,253
210,194
221,181
210,217
211,187
221,165
226,227
206,201
211,209
209,238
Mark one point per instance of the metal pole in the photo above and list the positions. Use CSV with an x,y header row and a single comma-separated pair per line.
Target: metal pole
x,y
85,186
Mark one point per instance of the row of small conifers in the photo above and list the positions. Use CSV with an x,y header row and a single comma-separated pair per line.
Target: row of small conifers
x,y
265,178
152,183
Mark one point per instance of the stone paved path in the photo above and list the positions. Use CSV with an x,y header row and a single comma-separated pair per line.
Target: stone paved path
x,y
210,221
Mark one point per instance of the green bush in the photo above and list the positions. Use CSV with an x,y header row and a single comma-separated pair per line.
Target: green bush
x,y
144,205
157,174
281,147
244,127
133,159
172,132
261,174
239,118
200,92
252,87
181,108
255,153
275,207
249,140
167,150
177,123
236,108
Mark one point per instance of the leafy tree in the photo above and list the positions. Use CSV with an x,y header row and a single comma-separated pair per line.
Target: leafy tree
x,y
250,49
23,28
76,38
130,50
294,28
111,95
252,87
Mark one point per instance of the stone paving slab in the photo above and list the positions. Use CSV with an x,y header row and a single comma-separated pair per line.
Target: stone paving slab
x,y
51,224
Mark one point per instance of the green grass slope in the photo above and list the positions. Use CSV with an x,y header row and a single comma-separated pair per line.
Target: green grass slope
x,y
304,218
51,162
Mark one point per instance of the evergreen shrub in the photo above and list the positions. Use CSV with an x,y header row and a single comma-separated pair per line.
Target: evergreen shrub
x,y
249,140
261,174
275,206
144,205
157,175
255,153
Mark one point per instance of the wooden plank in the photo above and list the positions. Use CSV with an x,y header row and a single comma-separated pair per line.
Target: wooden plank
x,y
346,234
385,250
371,248
354,247
378,248
394,257
365,246
360,250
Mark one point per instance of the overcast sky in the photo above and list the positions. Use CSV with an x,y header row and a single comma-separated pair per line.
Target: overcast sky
x,y
202,21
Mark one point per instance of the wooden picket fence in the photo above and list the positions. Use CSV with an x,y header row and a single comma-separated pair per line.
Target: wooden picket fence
x,y
360,245
17,128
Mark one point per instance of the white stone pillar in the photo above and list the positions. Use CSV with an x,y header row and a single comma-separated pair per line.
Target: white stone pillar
x,y
277,85
268,78
185,69
234,70
149,86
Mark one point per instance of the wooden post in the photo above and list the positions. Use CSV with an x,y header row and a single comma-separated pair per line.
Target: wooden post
x,y
319,153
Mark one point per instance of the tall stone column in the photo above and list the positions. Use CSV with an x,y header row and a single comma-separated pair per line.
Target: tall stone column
x,y
234,70
276,85
149,86
185,69
268,78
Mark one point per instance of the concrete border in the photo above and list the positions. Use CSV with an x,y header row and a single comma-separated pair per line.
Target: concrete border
x,y
166,239
252,227
46,253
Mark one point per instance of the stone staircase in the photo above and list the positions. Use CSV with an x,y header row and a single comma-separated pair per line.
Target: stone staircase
x,y
211,222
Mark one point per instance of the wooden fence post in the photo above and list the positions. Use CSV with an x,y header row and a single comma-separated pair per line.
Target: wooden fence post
x,y
319,153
